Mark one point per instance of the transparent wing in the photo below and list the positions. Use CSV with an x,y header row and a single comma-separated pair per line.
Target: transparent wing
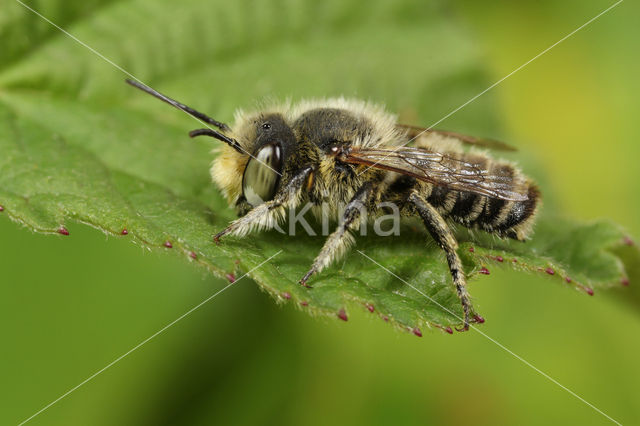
x,y
415,131
441,169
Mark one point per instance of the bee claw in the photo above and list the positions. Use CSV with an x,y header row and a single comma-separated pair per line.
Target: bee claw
x,y
465,324
304,284
303,281
216,238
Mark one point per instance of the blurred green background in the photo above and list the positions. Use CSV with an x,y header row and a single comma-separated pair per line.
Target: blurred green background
x,y
69,306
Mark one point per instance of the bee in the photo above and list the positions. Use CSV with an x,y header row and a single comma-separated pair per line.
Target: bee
x,y
353,155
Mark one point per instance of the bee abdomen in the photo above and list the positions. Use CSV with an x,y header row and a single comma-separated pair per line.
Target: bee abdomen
x,y
512,219
517,223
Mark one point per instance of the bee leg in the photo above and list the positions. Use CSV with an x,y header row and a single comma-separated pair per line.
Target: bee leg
x,y
443,236
338,242
267,215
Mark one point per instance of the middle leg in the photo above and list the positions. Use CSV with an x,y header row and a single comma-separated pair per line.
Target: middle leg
x,y
338,242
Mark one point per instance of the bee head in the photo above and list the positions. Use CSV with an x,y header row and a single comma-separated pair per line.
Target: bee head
x,y
273,143
272,129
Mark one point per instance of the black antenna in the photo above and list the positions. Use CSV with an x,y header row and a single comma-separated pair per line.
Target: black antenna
x,y
224,138
200,116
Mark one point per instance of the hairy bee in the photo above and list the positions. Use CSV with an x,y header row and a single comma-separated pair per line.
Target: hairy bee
x,y
354,154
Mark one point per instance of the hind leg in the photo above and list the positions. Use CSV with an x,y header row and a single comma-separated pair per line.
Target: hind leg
x,y
442,234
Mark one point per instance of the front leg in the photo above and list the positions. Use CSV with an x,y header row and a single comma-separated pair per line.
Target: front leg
x,y
340,240
270,213
443,236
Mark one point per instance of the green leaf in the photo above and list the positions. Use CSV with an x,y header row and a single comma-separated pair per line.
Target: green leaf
x,y
78,145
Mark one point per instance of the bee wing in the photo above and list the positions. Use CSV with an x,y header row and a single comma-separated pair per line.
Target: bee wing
x,y
415,131
441,169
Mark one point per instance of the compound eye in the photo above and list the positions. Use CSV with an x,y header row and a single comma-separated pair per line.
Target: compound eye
x,y
262,175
